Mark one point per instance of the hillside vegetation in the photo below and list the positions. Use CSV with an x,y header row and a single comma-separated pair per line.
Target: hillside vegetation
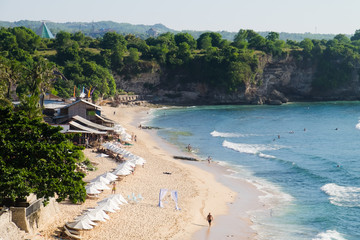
x,y
227,66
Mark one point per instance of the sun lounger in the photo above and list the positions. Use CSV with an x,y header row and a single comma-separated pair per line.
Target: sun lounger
x,y
71,233
92,196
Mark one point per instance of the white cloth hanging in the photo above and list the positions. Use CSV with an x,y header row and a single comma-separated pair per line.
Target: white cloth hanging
x,y
162,194
174,196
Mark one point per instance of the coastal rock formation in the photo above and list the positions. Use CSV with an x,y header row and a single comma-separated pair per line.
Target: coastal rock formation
x,y
277,81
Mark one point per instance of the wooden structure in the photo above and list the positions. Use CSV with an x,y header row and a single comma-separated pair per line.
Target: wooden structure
x,y
81,108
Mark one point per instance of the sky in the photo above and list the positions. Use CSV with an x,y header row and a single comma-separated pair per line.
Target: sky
x,y
314,16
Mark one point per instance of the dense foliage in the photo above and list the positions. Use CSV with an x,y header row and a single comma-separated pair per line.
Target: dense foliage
x,y
85,62
36,158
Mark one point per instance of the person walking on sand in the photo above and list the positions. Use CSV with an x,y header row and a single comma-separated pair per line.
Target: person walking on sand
x,y
113,188
209,218
209,159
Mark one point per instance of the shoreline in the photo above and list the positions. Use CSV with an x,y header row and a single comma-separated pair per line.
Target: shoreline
x,y
236,222
201,189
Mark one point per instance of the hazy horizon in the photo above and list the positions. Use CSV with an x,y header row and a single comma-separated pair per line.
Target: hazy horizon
x,y
323,17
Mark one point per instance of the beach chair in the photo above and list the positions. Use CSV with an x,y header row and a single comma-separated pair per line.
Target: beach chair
x,y
90,196
71,233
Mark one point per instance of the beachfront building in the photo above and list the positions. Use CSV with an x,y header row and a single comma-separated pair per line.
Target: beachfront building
x,y
82,108
81,117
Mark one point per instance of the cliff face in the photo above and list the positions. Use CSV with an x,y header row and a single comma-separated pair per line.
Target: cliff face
x,y
277,81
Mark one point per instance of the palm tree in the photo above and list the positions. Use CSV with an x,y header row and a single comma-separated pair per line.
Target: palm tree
x,y
40,77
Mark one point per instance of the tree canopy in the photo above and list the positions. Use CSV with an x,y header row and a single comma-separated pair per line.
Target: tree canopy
x,y
36,158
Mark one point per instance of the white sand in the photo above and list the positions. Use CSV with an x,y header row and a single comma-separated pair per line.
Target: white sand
x,y
198,192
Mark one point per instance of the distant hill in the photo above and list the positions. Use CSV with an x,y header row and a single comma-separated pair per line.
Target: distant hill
x,y
98,29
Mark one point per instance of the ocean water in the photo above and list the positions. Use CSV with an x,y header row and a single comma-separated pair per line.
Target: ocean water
x,y
303,156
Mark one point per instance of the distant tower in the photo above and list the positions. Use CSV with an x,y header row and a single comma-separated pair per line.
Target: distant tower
x,y
44,31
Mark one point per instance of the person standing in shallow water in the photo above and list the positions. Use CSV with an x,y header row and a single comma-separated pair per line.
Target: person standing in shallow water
x,y
209,218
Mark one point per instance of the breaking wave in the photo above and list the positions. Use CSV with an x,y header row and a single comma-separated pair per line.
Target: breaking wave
x,y
329,235
230,135
342,196
255,149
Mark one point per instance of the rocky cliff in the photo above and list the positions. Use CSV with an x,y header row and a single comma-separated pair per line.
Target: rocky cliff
x,y
277,81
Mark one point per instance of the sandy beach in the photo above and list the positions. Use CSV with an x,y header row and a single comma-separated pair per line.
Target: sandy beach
x,y
201,189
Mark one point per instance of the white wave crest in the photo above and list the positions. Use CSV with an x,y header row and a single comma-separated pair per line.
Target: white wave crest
x,y
230,135
342,196
255,149
329,235
266,155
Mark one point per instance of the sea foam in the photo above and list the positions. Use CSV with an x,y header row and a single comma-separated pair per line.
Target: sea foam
x,y
230,135
358,125
255,149
342,196
329,235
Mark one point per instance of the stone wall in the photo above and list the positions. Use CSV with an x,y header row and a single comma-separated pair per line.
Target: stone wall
x,y
8,229
14,223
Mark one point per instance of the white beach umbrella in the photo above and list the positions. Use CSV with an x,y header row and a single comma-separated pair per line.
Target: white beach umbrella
x,y
95,216
98,212
122,198
109,176
125,165
119,198
111,202
80,225
129,164
120,166
91,190
122,172
86,219
99,185
120,151
140,161
105,207
101,179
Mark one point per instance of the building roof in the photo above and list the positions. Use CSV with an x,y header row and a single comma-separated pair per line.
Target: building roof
x,y
92,124
44,31
84,128
104,119
81,100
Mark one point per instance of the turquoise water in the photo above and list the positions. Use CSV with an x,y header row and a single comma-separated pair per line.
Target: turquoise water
x,y
303,156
